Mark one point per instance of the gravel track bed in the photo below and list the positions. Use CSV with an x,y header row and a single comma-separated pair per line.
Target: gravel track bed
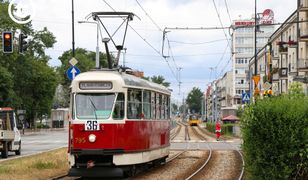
x,y
176,169
223,165
192,135
181,135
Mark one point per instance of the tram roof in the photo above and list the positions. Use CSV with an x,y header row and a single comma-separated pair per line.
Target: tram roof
x,y
122,77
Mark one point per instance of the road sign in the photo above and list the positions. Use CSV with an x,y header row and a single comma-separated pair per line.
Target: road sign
x,y
267,86
245,97
72,72
73,61
256,79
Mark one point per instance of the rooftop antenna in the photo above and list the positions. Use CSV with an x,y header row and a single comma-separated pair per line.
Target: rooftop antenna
x,y
126,16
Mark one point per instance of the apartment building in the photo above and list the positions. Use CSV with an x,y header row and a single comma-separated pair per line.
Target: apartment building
x,y
218,98
243,38
282,59
285,57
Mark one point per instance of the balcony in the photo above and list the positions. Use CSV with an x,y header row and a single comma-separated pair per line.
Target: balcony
x,y
275,77
303,5
292,44
283,49
303,34
303,64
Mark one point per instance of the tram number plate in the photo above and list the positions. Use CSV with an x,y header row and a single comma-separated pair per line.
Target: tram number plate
x,y
92,126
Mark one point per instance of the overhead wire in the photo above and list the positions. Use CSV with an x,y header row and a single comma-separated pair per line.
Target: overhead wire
x,y
223,69
197,43
160,29
149,44
226,4
149,16
228,42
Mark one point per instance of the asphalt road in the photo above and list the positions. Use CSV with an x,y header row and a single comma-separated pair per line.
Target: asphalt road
x,y
234,144
32,143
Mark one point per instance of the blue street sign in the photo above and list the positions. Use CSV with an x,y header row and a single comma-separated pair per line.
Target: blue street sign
x,y
245,97
72,72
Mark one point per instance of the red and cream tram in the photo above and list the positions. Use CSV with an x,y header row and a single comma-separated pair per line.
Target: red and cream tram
x,y
117,121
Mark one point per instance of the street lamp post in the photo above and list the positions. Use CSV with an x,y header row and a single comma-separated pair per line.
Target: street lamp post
x,y
97,41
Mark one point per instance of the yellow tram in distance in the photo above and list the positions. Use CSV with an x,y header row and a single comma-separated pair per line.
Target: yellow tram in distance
x,y
194,120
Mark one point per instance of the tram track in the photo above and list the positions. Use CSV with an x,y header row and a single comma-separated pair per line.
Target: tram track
x,y
228,161
178,130
208,164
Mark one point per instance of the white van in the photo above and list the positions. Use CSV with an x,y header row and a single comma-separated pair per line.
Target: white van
x,y
10,139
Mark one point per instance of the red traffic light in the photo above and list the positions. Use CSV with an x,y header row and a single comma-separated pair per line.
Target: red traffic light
x,y
7,36
7,42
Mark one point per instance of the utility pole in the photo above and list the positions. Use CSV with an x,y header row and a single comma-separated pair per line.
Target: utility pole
x,y
179,78
255,51
73,30
256,77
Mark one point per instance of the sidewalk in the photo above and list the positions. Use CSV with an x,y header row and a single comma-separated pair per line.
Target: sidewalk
x,y
29,132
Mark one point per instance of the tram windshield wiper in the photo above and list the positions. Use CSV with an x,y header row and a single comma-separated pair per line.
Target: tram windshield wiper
x,y
94,107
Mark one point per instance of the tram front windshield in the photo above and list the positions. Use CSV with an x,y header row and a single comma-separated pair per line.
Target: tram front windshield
x,y
94,106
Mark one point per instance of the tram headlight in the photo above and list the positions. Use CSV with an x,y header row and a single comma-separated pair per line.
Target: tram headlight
x,y
92,138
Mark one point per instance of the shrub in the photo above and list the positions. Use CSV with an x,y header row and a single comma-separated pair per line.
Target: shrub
x,y
275,135
42,126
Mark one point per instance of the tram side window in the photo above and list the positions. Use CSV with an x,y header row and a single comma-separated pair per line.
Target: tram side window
x,y
162,107
134,106
118,111
158,105
153,105
168,108
147,104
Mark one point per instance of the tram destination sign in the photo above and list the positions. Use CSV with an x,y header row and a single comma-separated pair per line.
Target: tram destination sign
x,y
95,85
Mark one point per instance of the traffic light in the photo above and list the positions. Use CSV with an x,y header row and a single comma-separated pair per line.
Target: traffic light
x,y
22,43
7,39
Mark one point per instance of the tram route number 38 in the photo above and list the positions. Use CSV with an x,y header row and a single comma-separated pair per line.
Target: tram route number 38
x,y
92,126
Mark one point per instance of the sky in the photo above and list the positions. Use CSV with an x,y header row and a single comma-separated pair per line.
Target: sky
x,y
200,56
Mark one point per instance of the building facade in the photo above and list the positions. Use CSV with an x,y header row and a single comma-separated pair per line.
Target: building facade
x,y
284,59
243,43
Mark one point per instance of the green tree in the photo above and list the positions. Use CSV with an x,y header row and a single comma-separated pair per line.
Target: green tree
x,y
86,61
174,107
27,82
194,100
6,86
160,80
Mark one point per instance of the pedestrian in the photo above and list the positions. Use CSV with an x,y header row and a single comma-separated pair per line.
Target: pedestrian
x,y
218,129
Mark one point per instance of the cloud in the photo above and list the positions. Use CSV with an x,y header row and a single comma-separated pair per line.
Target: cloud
x,y
195,59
